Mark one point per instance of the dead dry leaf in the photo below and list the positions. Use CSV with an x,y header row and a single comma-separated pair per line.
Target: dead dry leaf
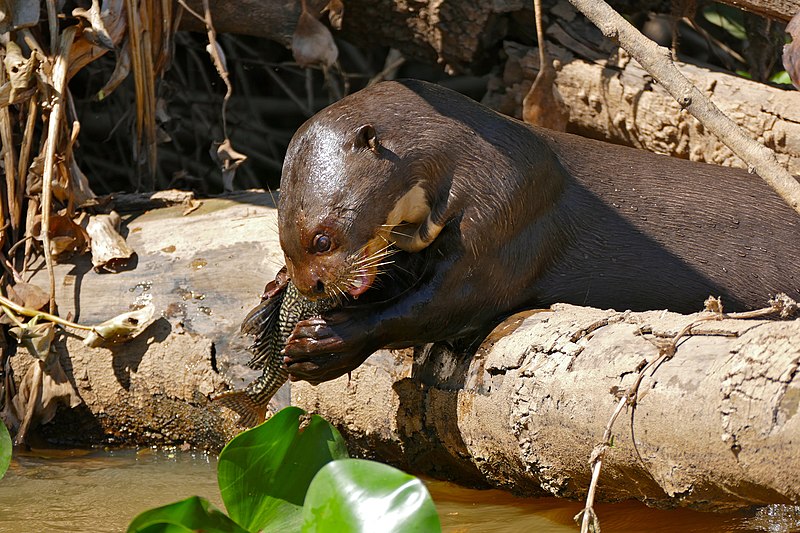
x,y
84,51
121,70
229,160
96,32
82,193
20,69
312,43
110,252
66,237
335,9
28,295
72,237
193,206
42,388
543,105
35,337
121,328
791,51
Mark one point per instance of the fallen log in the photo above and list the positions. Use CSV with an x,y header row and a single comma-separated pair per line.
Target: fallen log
x,y
717,425
203,265
457,35
613,99
609,96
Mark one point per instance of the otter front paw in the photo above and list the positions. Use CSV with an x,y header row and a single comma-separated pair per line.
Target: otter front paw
x,y
321,350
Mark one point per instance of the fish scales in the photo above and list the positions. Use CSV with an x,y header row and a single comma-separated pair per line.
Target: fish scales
x,y
270,323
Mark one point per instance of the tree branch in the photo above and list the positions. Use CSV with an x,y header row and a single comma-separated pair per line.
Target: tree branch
x,y
656,60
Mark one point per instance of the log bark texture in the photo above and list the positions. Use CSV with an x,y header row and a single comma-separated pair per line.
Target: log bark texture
x,y
452,33
203,268
613,99
717,426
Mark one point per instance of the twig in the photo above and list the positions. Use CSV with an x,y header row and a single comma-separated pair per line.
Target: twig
x,y
11,316
53,130
9,305
140,47
52,23
6,138
394,60
781,304
213,50
25,154
656,61
10,269
588,514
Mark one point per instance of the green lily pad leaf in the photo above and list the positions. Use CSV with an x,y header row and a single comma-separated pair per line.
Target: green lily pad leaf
x,y
189,515
355,495
5,449
264,472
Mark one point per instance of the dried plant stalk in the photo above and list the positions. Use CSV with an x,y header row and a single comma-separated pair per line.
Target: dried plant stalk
x,y
59,84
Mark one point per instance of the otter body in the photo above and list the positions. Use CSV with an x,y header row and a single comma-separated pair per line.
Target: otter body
x,y
488,216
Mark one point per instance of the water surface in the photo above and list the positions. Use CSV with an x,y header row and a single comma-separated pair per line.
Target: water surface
x,y
102,490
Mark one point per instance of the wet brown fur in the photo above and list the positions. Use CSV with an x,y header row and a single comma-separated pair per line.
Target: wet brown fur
x,y
530,217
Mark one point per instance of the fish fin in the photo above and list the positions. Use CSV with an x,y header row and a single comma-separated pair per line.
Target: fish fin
x,y
260,323
261,353
262,318
250,412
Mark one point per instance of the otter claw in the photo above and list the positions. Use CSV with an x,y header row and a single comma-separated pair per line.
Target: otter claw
x,y
320,349
312,328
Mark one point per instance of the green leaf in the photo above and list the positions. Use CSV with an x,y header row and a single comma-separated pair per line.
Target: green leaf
x,y
727,18
264,472
781,77
5,449
191,514
355,495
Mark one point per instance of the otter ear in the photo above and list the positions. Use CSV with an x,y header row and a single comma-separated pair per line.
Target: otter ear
x,y
366,138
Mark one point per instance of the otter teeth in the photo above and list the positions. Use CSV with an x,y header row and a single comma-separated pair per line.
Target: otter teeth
x,y
359,285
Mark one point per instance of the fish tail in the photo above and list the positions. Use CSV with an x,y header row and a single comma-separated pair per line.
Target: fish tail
x,y
251,413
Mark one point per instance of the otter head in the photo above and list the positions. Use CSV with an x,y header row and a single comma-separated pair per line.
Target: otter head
x,y
348,195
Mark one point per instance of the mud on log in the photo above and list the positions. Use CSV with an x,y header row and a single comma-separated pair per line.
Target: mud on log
x,y
717,426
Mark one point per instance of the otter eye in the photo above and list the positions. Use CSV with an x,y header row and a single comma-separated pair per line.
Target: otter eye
x,y
322,243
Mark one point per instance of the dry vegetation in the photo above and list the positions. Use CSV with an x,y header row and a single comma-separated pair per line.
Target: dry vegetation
x,y
110,97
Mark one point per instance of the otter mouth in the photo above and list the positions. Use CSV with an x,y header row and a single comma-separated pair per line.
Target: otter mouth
x,y
390,280
361,283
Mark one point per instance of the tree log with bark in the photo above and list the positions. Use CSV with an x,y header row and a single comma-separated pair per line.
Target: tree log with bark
x,y
715,426
613,99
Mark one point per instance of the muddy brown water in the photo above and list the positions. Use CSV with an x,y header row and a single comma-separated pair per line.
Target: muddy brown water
x,y
101,491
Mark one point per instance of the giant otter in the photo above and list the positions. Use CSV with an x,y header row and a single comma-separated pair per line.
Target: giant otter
x,y
489,215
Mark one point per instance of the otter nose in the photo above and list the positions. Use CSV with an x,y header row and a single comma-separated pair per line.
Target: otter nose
x,y
319,287
314,284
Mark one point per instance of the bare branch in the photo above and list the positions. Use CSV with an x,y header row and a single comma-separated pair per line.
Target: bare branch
x,y
656,60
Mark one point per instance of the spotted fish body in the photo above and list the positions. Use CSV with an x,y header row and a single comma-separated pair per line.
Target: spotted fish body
x,y
270,323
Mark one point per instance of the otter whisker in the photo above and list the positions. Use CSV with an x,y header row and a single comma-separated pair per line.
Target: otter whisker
x,y
382,263
382,252
368,261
